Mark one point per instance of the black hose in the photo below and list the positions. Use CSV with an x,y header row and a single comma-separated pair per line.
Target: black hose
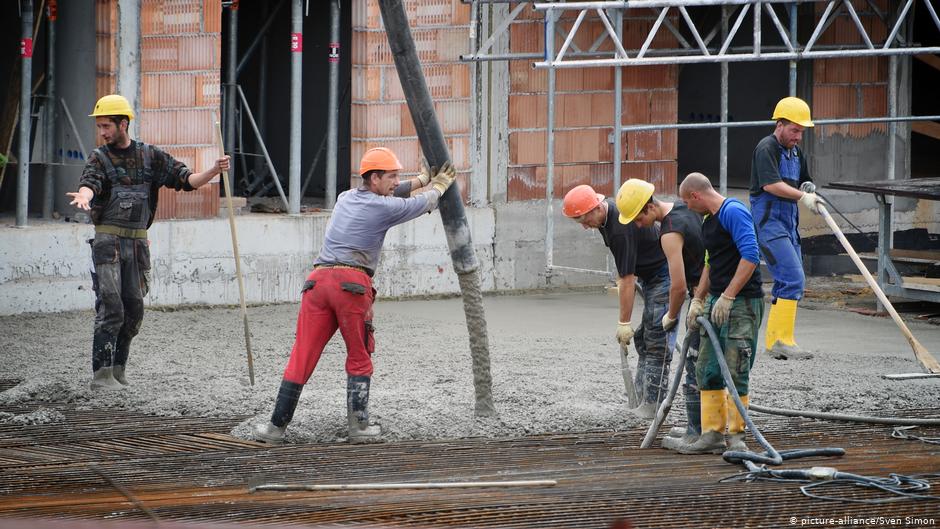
x,y
771,456
848,418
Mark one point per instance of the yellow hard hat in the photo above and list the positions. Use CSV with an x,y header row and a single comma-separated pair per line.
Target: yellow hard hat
x,y
113,105
633,195
793,109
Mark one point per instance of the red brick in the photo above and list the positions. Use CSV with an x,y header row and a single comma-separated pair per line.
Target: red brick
x,y
524,78
669,147
526,37
159,54
208,89
194,126
212,16
573,110
644,145
177,90
527,111
461,14
634,170
602,109
459,151
834,101
663,176
636,108
200,52
569,79
664,106
527,148
454,116
366,83
157,126
522,184
598,78
149,91
461,80
376,120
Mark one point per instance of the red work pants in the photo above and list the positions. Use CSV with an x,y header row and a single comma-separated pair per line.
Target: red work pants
x,y
333,298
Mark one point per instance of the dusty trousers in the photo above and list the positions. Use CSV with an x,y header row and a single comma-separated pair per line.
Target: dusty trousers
x,y
654,346
333,298
122,271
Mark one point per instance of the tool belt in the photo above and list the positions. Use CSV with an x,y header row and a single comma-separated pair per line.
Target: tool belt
x,y
350,267
130,233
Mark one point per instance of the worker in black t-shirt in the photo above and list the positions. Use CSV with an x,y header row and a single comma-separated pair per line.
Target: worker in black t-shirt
x,y
640,262
680,235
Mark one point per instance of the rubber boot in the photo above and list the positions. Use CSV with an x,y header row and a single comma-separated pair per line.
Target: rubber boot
x,y
103,378
102,354
714,421
688,435
736,426
273,431
647,410
357,411
779,340
121,352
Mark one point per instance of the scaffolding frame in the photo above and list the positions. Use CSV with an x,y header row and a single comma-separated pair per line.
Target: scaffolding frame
x,y
703,49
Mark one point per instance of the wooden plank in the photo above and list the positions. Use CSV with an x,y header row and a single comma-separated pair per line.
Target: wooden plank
x,y
929,284
927,128
930,59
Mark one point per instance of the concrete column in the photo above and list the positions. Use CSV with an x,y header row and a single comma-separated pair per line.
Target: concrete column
x,y
128,52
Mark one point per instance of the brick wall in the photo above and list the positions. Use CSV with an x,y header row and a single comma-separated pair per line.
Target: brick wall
x,y
584,114
180,61
379,115
852,87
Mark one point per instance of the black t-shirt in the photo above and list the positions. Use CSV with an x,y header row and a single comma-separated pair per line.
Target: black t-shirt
x,y
635,250
724,256
765,165
687,223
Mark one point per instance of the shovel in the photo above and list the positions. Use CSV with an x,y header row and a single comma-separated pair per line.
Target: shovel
x,y
923,356
629,385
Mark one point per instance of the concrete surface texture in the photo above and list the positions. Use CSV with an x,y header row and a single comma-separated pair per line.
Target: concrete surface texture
x,y
554,366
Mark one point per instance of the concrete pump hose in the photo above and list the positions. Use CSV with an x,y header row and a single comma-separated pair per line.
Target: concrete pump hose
x,y
771,456
673,387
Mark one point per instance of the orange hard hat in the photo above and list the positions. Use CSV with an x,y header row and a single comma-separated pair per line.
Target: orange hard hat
x,y
379,159
580,200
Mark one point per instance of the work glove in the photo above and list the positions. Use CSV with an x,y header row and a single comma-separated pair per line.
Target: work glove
x,y
424,177
695,310
624,333
721,310
443,178
669,323
811,201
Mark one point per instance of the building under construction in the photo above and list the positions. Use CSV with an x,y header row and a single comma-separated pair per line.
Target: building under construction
x,y
532,99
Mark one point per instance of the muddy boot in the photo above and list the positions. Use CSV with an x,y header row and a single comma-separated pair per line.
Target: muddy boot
x,y
676,431
736,442
714,421
274,431
647,410
118,372
357,411
736,425
675,443
104,379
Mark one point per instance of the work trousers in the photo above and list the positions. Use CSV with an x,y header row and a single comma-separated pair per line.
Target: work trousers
x,y
333,298
122,279
738,341
776,222
654,346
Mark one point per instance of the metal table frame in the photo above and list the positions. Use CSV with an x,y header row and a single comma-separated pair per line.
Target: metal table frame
x,y
889,279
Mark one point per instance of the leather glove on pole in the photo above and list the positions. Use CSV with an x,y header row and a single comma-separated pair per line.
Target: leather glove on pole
x,y
444,178
424,177
624,333
811,201
695,310
721,310
669,323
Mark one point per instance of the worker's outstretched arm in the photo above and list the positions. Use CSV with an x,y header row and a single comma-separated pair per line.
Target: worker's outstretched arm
x,y
672,246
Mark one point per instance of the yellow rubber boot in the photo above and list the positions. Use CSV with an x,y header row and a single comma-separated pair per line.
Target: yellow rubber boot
x,y
779,340
714,421
736,425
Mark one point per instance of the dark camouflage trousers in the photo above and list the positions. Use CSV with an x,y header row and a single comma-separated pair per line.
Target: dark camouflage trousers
x,y
738,339
654,346
122,279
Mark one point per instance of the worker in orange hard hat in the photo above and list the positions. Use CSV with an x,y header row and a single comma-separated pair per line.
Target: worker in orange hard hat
x,y
640,262
120,185
338,294
778,170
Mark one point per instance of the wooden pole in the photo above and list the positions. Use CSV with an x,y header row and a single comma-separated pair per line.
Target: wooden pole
x,y
920,352
238,267
284,487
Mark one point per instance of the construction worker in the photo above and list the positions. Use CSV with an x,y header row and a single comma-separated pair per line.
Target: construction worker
x,y
120,185
730,295
338,293
640,261
778,168
680,236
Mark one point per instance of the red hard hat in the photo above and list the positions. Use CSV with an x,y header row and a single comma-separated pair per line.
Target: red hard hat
x,y
379,159
580,200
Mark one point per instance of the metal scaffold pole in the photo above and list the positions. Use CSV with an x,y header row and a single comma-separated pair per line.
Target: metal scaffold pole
x,y
26,79
332,122
296,104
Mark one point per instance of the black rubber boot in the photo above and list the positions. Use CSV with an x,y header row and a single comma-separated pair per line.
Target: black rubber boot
x,y
275,430
120,357
102,357
357,411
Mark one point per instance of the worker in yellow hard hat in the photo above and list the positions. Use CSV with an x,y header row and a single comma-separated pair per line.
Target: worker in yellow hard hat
x,y
338,293
680,236
640,262
778,168
119,185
